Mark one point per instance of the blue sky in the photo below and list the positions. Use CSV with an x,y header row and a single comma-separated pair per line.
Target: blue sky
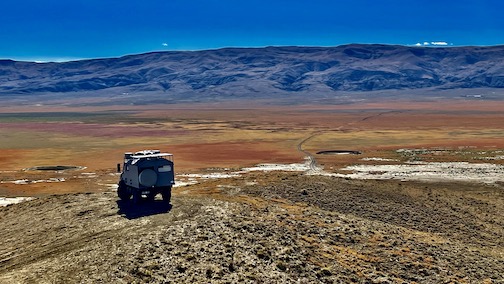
x,y
72,29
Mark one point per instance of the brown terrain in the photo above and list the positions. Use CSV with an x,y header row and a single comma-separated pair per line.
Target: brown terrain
x,y
308,226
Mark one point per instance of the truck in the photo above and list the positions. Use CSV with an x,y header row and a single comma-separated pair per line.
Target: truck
x,y
145,174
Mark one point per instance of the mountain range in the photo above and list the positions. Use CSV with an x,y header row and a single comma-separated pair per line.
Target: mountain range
x,y
296,73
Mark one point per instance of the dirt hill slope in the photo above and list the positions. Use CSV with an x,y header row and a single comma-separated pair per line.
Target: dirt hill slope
x,y
294,229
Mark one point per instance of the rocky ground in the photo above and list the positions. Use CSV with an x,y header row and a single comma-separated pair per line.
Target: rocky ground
x,y
262,227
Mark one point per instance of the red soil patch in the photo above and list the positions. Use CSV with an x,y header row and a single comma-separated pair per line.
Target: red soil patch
x,y
10,159
94,130
231,155
427,120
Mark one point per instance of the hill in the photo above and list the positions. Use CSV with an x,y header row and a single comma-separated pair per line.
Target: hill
x,y
292,229
297,73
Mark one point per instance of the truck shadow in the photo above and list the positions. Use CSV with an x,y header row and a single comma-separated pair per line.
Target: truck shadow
x,y
146,208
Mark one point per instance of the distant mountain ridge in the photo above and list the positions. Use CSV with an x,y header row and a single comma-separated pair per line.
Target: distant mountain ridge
x,y
234,73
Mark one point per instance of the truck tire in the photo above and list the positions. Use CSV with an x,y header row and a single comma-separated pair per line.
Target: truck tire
x,y
166,194
123,191
137,195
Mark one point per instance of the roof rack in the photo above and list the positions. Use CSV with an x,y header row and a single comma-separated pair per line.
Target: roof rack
x,y
144,156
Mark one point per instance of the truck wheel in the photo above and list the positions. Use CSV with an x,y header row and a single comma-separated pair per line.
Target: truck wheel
x,y
166,193
123,191
137,196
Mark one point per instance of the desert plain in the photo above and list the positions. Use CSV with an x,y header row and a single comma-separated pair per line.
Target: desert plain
x,y
407,191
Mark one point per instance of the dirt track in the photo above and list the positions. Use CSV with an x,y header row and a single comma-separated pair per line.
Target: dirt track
x,y
295,228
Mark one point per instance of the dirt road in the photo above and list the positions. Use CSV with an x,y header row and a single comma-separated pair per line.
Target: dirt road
x,y
312,161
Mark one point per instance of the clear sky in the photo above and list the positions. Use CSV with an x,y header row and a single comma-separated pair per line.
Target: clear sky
x,y
72,29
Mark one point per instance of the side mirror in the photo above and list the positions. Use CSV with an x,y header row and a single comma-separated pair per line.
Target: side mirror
x,y
118,168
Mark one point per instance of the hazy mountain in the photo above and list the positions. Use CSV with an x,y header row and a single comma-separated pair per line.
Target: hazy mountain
x,y
272,72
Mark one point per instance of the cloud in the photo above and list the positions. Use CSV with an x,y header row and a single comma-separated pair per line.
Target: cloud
x,y
164,44
433,43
